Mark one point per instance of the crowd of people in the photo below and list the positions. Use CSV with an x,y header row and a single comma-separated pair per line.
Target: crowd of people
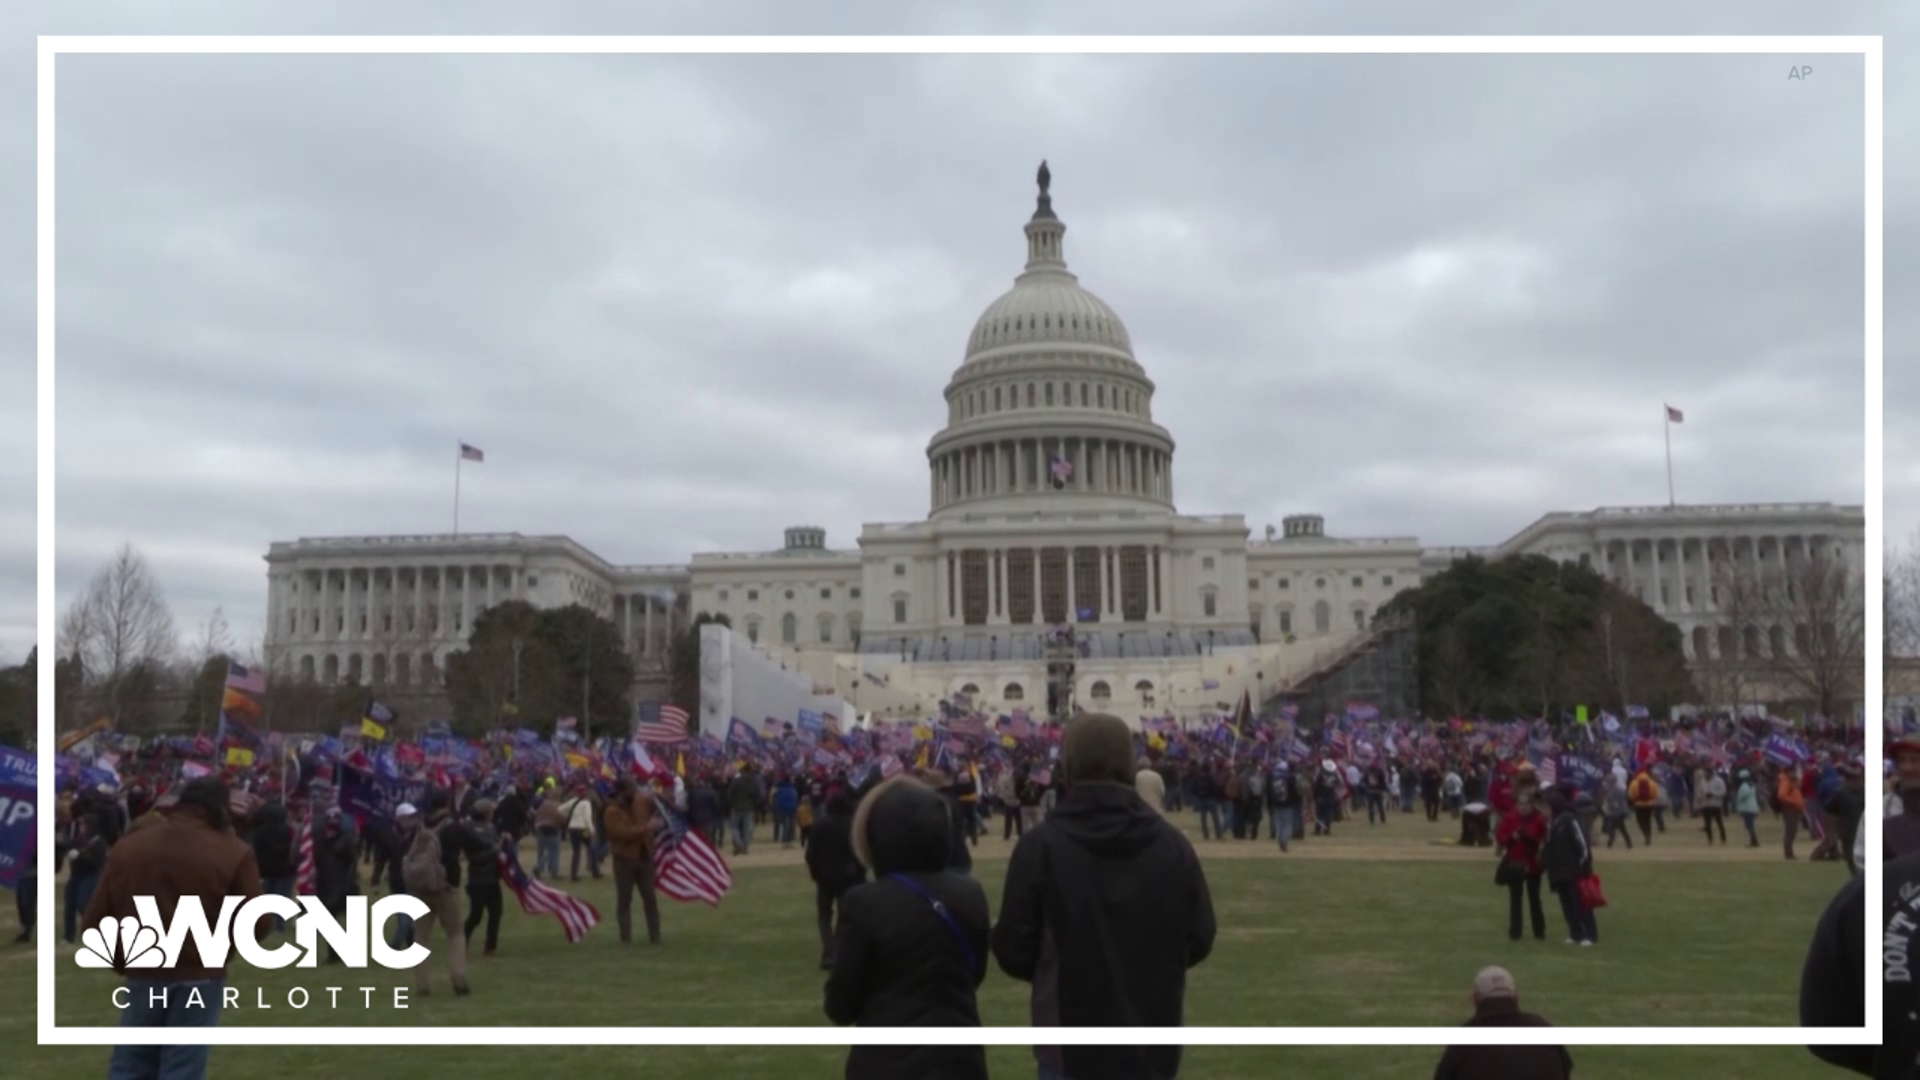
x,y
906,935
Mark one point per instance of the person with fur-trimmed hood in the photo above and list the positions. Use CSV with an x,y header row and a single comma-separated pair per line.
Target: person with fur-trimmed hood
x,y
911,946
1095,962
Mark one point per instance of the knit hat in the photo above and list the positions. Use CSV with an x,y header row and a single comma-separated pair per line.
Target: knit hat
x,y
1097,748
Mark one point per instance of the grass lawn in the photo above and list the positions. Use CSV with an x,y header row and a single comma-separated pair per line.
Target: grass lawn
x,y
1379,926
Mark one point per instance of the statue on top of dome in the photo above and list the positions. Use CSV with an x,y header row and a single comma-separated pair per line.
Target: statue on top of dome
x,y
1045,177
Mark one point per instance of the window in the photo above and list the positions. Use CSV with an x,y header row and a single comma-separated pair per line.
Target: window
x,y
1286,622
1359,618
753,631
1086,398
532,581
1014,692
899,609
723,596
899,569
1049,393
1386,581
789,594
1665,595
1286,583
1144,686
996,399
970,689
1319,583
1100,395
1689,596
1322,617
826,631
789,628
753,594
826,594
1358,581
1029,395
1207,602
1253,584
1100,691
1206,563
854,593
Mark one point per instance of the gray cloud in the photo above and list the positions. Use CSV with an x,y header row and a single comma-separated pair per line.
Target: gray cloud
x,y
685,301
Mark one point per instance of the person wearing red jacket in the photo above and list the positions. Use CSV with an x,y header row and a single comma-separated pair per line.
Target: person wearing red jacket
x,y
1520,835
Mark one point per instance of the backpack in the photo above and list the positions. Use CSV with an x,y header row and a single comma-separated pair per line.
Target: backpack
x,y
422,870
1642,789
1257,785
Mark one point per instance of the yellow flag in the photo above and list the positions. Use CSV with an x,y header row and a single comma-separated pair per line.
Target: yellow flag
x,y
239,755
372,730
921,762
1008,741
680,764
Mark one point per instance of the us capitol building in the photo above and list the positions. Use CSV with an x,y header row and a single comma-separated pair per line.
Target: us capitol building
x,y
1052,501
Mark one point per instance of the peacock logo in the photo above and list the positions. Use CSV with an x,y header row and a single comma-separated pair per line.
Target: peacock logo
x,y
121,944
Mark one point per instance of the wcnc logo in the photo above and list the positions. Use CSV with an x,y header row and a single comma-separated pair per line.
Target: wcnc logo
x,y
146,941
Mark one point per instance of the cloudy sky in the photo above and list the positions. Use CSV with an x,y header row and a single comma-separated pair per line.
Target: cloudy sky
x,y
683,302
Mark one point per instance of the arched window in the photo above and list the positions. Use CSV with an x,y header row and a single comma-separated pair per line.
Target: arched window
x,y
753,631
1086,395
826,629
1100,395
1777,641
996,399
1322,617
306,668
970,689
1049,393
1144,686
1208,604
1701,645
1029,395
1100,691
789,628
1014,692
1750,642
1728,649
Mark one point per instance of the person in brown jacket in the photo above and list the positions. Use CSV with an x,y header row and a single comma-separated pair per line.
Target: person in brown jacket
x,y
192,853
630,835
1496,1003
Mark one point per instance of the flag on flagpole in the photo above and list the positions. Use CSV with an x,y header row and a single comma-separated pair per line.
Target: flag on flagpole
x,y
661,722
539,898
1675,416
305,875
685,866
472,453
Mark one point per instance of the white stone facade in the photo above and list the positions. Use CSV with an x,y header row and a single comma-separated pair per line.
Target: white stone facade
x,y
1051,500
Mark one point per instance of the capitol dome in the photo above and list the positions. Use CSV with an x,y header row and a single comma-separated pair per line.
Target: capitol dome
x,y
1049,405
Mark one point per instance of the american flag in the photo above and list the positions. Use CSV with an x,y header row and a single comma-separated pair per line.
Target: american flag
x,y
661,723
1548,771
1062,470
969,727
246,680
1674,416
685,866
304,874
472,453
539,898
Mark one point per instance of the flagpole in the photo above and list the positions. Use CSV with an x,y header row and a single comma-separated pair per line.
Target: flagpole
x,y
1667,414
459,456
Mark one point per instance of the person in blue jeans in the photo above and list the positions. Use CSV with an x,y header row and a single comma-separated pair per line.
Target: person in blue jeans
x,y
86,855
192,852
786,803
1283,804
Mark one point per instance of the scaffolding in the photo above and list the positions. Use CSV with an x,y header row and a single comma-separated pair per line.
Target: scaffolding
x,y
1384,674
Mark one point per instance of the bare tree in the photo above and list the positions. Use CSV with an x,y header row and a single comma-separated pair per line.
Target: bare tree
x,y
1900,616
1802,622
214,639
119,627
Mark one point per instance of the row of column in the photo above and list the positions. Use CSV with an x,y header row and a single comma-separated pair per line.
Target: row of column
x,y
331,604
646,644
1689,561
1012,466
999,609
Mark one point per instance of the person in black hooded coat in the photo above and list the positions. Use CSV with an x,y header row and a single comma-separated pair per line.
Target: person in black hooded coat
x,y
1105,910
833,866
911,947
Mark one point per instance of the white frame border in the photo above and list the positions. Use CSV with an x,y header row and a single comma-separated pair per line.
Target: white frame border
x,y
1801,47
